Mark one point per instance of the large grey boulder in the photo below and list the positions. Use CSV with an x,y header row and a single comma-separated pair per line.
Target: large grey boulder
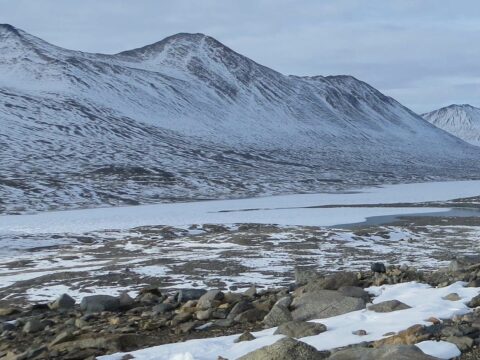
x,y
277,316
99,303
388,306
184,295
323,304
208,300
64,302
354,291
298,329
393,352
286,349
333,281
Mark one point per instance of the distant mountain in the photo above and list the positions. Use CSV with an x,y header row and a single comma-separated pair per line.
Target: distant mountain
x,y
189,118
462,121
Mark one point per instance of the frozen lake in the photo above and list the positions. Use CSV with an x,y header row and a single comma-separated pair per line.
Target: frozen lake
x,y
284,210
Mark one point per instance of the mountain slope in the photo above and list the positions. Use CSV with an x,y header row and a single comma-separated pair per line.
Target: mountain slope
x,y
189,118
462,121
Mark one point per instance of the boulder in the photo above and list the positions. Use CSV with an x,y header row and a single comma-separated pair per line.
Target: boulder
x,y
250,316
286,349
239,308
246,336
395,352
33,326
464,263
64,302
303,276
250,292
333,281
278,315
209,299
475,302
378,267
324,303
184,295
354,291
162,308
99,303
299,329
7,311
388,306
452,297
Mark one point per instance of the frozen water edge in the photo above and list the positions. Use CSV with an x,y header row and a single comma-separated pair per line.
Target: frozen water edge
x,y
424,300
284,210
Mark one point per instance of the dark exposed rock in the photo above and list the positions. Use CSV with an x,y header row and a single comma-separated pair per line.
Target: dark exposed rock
x,y
278,315
246,336
99,303
378,267
63,302
388,306
324,303
396,352
299,329
286,349
207,300
185,295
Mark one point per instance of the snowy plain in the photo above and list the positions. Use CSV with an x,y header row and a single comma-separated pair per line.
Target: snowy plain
x,y
424,300
284,210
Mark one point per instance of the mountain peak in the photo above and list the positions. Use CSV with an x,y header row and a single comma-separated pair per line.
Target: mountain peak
x,y
461,120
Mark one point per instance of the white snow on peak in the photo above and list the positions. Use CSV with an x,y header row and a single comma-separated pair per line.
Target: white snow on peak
x,y
462,121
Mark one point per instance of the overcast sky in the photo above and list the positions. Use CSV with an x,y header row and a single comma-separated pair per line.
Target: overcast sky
x,y
424,53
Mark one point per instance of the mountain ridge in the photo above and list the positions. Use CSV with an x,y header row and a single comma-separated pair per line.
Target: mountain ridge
x,y
461,120
197,120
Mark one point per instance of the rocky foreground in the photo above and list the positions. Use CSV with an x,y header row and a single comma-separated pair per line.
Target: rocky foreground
x,y
103,324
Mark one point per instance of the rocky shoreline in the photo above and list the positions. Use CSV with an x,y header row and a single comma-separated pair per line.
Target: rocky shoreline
x,y
103,324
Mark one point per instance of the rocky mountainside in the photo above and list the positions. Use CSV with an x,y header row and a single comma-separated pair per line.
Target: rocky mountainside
x,y
189,118
462,121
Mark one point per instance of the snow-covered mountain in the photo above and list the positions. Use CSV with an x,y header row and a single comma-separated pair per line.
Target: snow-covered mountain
x,y
462,121
189,118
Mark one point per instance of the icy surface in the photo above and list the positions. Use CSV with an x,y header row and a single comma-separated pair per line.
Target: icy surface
x,y
439,349
424,300
188,118
459,120
285,210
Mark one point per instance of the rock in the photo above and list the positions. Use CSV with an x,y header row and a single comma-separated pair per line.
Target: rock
x,y
354,291
224,323
333,281
359,332
126,301
7,327
250,316
463,263
184,295
186,327
475,302
246,336
209,299
298,329
324,303
111,343
378,267
251,292
99,303
452,297
462,342
412,335
204,314
277,316
239,308
388,306
7,311
162,308
65,302
33,326
303,276
396,352
285,301
286,349
62,337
